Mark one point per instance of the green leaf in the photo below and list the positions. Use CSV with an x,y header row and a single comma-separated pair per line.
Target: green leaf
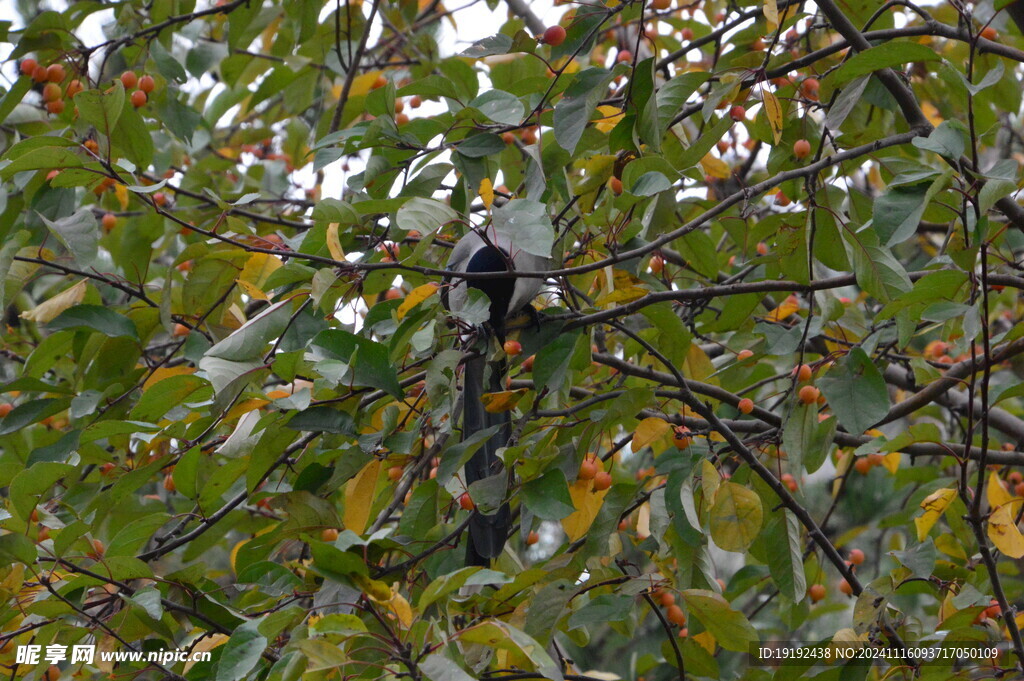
x,y
884,56
806,439
643,94
730,628
169,393
55,158
785,554
547,497
496,44
95,317
249,341
948,140
479,146
601,609
101,109
424,215
79,233
131,136
699,148
856,392
526,224
241,653
323,420
500,107
437,667
367,360
574,111
736,517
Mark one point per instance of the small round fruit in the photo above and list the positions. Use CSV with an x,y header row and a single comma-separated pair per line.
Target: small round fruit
x,y
139,98
809,88
147,84
466,502
675,615
5,409
762,248
513,348
416,101
856,556
109,221
657,264
55,107
804,373
744,355
28,66
682,438
816,592
98,549
169,483
554,36
160,199
180,330
393,294
624,56
809,394
329,535
39,74
55,73
989,33
789,481
588,470
801,148
615,184
746,405
129,79
52,92
862,465
844,587
661,4
666,598
737,113
602,481
401,118
528,363
395,473
781,199
74,87
686,34
532,538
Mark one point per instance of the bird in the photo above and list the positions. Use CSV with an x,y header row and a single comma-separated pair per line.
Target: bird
x,y
491,251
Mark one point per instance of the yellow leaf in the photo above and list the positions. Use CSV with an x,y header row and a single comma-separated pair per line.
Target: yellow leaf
x,y
698,365
415,297
610,117
1004,533
771,14
498,403
785,309
715,167
48,310
710,480
736,517
624,288
166,372
401,608
643,520
362,84
996,493
931,113
649,430
587,503
121,192
772,108
934,506
891,461
245,407
333,243
706,640
359,497
377,590
255,273
487,192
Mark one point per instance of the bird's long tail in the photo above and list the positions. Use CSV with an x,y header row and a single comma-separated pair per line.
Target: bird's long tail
x,y
487,533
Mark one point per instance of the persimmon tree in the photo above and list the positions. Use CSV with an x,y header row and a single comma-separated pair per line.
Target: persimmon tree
x,y
773,391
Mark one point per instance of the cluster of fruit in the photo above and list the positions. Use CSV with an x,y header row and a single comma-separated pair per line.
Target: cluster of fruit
x,y
55,93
